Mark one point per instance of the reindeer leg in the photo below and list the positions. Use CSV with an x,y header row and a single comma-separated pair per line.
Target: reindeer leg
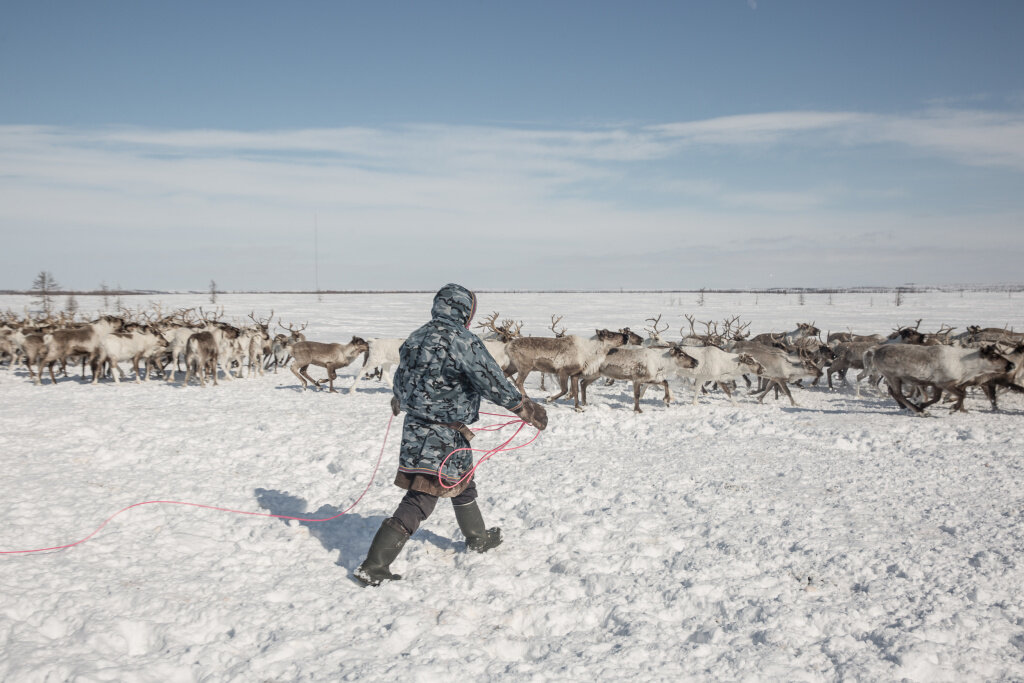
x,y
723,386
575,381
359,375
960,392
637,392
668,393
331,376
521,376
929,401
896,390
563,384
386,375
584,383
296,373
786,390
989,389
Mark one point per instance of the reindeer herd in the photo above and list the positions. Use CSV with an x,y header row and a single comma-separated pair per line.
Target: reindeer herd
x,y
160,343
918,368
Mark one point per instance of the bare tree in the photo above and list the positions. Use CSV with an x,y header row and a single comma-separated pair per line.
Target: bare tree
x,y
700,299
105,292
898,300
71,306
213,292
44,287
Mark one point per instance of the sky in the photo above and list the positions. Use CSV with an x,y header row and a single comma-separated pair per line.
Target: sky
x,y
526,145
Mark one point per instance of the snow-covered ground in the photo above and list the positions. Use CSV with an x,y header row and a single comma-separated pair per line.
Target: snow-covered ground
x,y
843,539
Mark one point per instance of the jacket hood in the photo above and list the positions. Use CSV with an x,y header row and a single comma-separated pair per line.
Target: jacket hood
x,y
454,303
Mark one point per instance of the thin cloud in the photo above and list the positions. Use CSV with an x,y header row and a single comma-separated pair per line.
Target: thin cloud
x,y
503,194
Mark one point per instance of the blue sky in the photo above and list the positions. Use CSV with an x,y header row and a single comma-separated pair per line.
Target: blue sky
x,y
521,145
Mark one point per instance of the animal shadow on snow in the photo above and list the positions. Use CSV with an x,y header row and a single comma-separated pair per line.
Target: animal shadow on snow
x,y
349,534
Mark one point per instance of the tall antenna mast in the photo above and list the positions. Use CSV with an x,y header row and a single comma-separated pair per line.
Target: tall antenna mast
x,y
316,257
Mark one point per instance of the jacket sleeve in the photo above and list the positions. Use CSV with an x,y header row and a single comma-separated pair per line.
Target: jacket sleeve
x,y
483,374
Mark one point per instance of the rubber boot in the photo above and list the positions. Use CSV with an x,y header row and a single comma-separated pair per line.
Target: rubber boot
x,y
471,522
388,542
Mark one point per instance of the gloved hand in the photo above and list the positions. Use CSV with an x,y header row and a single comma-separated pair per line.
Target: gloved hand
x,y
396,407
533,413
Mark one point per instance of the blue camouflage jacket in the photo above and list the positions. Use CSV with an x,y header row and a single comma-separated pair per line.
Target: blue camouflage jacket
x,y
444,371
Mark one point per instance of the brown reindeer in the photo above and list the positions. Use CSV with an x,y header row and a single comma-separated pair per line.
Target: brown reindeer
x,y
329,356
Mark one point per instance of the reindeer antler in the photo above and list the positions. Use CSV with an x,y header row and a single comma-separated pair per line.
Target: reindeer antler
x,y
554,322
690,319
654,329
487,323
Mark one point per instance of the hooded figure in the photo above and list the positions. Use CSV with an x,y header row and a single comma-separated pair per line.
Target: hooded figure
x,y
444,370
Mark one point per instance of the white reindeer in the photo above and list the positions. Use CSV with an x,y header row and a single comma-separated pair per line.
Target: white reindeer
x,y
383,354
716,365
643,366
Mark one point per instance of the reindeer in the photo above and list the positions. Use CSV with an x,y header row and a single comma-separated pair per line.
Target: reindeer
x,y
280,351
567,357
201,357
33,348
718,366
60,344
230,348
178,328
329,356
834,338
139,341
495,337
259,342
382,353
848,355
779,368
654,331
942,368
643,366
296,334
1013,381
802,331
977,334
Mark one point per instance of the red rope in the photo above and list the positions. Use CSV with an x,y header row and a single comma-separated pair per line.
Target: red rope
x,y
490,453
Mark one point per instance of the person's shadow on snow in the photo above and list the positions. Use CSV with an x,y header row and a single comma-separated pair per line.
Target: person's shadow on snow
x,y
349,534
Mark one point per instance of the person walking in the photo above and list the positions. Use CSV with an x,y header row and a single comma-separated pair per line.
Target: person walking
x,y
444,371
